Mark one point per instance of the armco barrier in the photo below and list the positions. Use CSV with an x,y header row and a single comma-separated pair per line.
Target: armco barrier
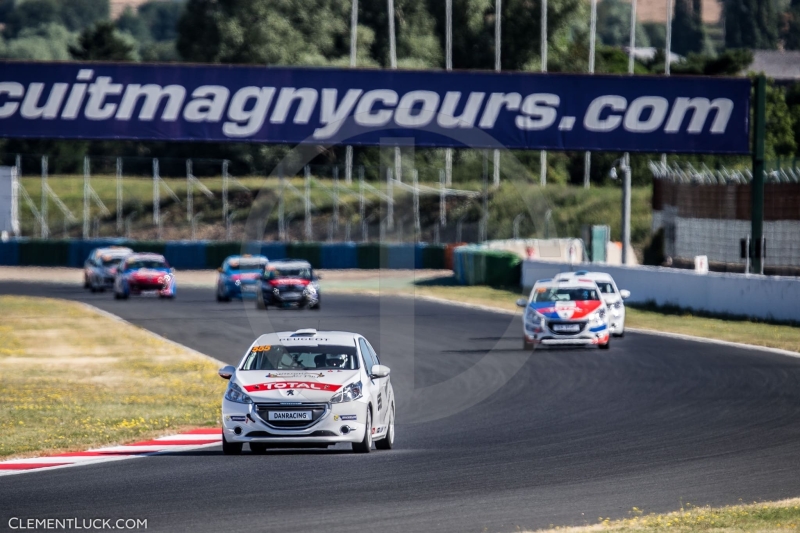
x,y
475,265
310,251
760,297
190,255
194,255
9,253
44,253
339,255
369,256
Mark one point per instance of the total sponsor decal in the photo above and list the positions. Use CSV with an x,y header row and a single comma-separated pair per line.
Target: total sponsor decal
x,y
288,281
297,385
567,310
191,440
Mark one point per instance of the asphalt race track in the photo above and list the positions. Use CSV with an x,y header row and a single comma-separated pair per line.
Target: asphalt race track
x,y
557,437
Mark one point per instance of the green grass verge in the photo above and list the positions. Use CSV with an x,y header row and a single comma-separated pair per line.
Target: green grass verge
x,y
758,517
74,379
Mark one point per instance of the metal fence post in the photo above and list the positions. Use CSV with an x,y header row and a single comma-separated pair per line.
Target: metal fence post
x,y
156,195
361,204
119,196
307,221
281,206
442,198
189,192
417,223
336,199
45,229
390,200
757,185
225,190
86,207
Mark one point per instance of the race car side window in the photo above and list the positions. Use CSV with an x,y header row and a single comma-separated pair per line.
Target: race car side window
x,y
373,353
366,353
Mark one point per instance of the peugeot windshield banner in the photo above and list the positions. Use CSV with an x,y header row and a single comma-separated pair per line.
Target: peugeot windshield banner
x,y
329,106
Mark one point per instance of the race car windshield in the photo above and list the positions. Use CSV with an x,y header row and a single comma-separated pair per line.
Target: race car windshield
x,y
246,265
146,263
301,273
564,294
280,357
111,261
605,287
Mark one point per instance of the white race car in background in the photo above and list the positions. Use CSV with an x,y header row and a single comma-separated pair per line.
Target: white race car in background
x,y
565,312
613,297
308,389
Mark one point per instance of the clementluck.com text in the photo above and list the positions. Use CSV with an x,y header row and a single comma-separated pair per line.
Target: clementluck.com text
x,y
66,524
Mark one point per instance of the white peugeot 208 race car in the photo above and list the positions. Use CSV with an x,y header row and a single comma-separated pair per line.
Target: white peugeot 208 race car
x,y
612,296
308,389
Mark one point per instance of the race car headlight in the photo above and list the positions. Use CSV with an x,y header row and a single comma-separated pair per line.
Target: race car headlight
x,y
598,317
310,291
165,278
348,393
533,318
617,305
236,394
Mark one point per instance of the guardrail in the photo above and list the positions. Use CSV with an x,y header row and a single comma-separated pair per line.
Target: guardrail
x,y
760,297
199,255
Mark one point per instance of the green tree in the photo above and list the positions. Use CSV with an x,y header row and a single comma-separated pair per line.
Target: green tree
x,y
687,27
161,19
791,27
614,24
31,14
77,15
780,138
49,42
751,24
793,103
102,43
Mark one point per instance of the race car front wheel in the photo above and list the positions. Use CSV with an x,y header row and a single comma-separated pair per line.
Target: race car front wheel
x,y
607,345
365,446
231,448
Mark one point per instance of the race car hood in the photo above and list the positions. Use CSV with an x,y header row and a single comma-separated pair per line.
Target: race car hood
x,y
567,310
293,385
148,273
246,276
610,299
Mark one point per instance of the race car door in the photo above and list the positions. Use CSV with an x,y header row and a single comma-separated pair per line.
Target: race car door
x,y
381,392
375,386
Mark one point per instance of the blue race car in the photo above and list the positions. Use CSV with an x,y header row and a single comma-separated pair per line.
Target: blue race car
x,y
239,277
100,267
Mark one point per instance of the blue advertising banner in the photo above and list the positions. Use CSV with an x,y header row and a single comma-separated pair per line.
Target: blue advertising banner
x,y
512,110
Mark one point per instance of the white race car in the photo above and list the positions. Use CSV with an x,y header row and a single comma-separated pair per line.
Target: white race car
x,y
565,312
308,389
612,296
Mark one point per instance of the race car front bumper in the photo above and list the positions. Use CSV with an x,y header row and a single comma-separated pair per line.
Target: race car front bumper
x,y
589,336
241,290
340,422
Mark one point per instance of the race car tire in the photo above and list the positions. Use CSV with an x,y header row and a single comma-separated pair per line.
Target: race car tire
x,y
387,442
86,283
221,297
260,303
258,448
117,296
527,346
123,296
92,287
365,446
231,448
315,307
620,334
607,345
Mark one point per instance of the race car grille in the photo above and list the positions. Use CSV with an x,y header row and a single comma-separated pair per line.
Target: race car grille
x,y
318,410
147,286
558,327
266,435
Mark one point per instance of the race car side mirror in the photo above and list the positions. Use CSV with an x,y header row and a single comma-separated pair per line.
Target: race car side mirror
x,y
226,372
219,269
379,371
522,302
625,294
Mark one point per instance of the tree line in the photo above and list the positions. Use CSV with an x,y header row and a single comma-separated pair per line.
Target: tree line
x,y
317,32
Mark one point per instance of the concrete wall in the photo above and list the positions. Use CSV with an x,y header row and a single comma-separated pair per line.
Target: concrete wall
x,y
776,298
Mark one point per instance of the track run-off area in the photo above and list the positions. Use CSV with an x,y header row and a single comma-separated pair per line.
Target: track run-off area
x,y
489,437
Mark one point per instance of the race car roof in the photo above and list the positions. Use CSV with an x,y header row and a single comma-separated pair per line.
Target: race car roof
x,y
567,283
597,276
290,263
145,255
308,337
115,251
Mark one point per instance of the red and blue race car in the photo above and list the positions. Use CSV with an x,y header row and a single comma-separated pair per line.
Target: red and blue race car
x,y
144,274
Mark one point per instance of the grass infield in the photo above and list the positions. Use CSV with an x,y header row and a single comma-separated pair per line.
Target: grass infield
x,y
74,379
757,517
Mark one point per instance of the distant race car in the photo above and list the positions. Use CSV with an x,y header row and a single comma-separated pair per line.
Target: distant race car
x,y
565,312
308,389
289,283
144,274
239,277
612,296
100,267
